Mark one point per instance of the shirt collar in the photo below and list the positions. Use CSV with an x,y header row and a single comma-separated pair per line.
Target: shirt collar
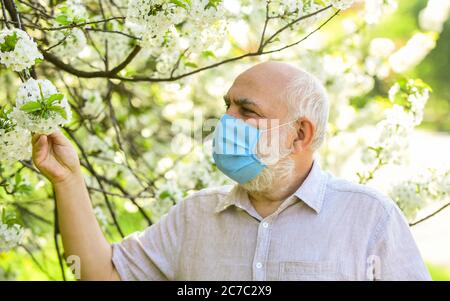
x,y
234,197
311,192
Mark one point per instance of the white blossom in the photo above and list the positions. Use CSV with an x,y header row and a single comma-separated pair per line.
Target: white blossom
x,y
434,15
169,30
18,51
413,52
375,9
342,4
75,10
118,44
94,106
69,42
393,133
415,97
410,198
43,122
15,144
381,47
281,8
377,63
10,236
14,140
413,194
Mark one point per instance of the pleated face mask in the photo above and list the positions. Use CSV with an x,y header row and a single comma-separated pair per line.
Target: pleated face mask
x,y
234,149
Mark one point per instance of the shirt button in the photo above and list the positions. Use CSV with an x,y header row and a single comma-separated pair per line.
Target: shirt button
x,y
258,265
265,224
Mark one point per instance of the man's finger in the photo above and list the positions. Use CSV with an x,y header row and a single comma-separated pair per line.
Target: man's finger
x,y
40,148
58,138
35,137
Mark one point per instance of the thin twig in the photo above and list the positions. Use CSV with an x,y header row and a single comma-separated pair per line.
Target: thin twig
x,y
431,215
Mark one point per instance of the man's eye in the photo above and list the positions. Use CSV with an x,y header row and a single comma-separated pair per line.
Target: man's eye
x,y
227,105
247,111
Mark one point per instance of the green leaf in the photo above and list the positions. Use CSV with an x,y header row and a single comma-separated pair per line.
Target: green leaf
x,y
208,53
55,97
191,64
41,93
10,43
79,20
179,3
18,178
60,110
213,3
24,188
31,106
8,218
164,194
63,20
3,113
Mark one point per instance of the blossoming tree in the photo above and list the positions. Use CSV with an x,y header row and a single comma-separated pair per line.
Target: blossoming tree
x,y
125,80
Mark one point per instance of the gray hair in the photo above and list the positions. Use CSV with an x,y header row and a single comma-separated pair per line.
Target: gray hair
x,y
308,98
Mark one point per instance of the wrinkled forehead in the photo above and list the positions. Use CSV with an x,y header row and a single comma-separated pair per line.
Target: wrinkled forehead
x,y
266,89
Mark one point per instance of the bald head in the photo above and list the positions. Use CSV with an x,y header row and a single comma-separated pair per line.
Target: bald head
x,y
277,90
270,75
265,84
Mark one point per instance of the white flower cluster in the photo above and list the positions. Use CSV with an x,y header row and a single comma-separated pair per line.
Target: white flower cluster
x,y
14,141
375,9
416,97
342,4
279,8
94,106
47,119
10,236
434,15
172,28
377,63
409,99
415,193
118,44
77,9
69,42
17,50
413,52
296,8
74,10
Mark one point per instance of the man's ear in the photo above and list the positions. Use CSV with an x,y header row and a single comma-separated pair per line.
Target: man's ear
x,y
305,134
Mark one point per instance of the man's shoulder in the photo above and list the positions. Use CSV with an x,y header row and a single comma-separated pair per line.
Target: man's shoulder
x,y
359,194
207,198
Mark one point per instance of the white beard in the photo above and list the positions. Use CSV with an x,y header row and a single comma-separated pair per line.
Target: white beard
x,y
270,176
279,165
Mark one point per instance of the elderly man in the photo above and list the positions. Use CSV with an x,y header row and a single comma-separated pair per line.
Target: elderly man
x,y
285,219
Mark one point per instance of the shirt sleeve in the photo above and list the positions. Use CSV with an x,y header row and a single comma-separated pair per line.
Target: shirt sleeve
x,y
151,254
394,254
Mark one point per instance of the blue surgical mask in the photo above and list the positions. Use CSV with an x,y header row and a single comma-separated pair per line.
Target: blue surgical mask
x,y
234,149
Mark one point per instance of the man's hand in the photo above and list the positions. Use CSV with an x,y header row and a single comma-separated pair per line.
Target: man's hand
x,y
55,157
81,234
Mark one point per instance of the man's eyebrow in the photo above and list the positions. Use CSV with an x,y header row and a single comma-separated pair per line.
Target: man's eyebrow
x,y
245,101
240,101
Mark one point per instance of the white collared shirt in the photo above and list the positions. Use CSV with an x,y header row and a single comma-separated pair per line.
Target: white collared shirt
x,y
329,229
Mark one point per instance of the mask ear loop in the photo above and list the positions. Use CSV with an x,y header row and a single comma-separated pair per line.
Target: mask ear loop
x,y
284,155
278,126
